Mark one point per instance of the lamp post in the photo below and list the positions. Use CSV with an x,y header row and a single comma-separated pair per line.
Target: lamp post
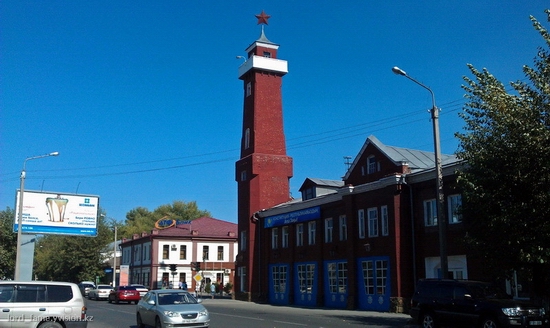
x,y
114,260
17,275
440,203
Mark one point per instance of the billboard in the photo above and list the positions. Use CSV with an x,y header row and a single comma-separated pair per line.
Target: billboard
x,y
57,213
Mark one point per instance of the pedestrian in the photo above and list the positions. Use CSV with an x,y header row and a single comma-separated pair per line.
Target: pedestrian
x,y
181,285
212,290
184,286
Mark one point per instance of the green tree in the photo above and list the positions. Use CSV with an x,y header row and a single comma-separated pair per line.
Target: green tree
x,y
506,182
8,244
141,219
73,258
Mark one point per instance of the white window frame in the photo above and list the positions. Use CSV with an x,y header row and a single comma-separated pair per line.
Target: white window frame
x,y
361,223
430,213
385,220
274,238
311,231
343,227
285,236
371,165
300,234
372,214
329,228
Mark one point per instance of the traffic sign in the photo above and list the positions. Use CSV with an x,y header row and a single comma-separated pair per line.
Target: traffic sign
x,y
197,277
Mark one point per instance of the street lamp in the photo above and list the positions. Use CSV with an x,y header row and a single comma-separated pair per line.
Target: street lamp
x,y
17,275
440,203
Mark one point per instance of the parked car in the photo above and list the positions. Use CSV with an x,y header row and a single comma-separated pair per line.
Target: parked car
x,y
171,308
471,303
141,289
125,294
100,292
41,304
85,287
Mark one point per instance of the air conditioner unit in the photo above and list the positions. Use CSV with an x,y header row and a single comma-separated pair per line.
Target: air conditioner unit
x,y
227,271
174,247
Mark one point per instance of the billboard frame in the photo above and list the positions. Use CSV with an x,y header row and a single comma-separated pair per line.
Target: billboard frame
x,y
58,213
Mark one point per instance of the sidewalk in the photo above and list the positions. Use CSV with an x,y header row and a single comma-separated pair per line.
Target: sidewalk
x,y
400,319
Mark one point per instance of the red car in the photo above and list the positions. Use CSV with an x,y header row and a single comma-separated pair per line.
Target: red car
x,y
125,294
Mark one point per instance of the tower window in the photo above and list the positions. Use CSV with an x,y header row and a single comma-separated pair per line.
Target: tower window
x,y
267,54
248,89
247,138
243,175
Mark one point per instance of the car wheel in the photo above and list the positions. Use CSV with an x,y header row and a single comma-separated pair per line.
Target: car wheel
x,y
428,321
117,301
50,324
109,300
157,323
139,322
489,323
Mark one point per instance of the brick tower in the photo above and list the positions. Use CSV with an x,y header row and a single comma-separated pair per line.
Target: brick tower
x,y
263,170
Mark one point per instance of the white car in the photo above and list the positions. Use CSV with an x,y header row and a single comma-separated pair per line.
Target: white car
x,y
141,289
171,308
100,292
36,304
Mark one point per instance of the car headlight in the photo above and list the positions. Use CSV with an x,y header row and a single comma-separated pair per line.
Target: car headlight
x,y
171,313
511,312
203,313
542,311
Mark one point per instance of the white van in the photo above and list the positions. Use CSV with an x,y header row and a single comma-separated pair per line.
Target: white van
x,y
41,304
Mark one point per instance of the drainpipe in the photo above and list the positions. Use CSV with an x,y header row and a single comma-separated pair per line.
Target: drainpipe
x,y
413,243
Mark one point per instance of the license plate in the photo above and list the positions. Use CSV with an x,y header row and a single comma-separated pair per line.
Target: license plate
x,y
535,323
186,321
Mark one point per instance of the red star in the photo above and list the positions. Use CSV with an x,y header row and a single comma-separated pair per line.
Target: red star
x,y
262,18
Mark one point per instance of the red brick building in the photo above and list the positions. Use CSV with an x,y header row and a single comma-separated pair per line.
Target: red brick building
x,y
359,243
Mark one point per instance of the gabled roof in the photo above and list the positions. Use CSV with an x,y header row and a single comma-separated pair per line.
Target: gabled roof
x,y
203,227
416,160
321,183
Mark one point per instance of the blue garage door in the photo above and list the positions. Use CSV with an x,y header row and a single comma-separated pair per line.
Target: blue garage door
x,y
305,282
374,283
279,284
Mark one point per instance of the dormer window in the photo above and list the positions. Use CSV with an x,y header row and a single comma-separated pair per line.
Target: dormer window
x,y
308,193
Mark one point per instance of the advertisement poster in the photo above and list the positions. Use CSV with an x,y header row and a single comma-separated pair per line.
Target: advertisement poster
x,y
57,213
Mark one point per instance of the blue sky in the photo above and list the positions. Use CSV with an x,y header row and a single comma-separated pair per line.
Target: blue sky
x,y
142,100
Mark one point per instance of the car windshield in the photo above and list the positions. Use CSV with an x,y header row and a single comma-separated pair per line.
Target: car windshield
x,y
104,287
176,298
127,288
139,286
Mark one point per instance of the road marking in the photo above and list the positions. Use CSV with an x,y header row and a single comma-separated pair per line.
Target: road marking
x,y
290,323
238,316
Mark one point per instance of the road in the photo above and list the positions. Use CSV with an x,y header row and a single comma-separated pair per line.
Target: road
x,y
231,313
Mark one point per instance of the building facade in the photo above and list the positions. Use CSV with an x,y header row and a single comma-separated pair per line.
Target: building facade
x,y
209,243
363,242
358,243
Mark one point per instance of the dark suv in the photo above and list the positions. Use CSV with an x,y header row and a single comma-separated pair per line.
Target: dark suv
x,y
470,303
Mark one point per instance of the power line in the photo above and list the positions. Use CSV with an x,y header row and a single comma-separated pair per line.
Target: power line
x,y
327,136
